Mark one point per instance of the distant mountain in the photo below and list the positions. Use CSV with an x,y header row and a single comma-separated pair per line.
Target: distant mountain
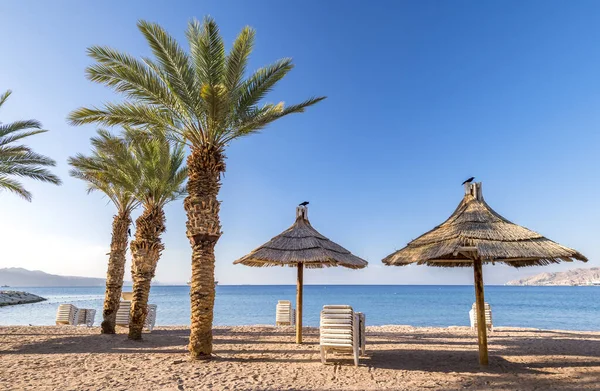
x,y
16,276
570,277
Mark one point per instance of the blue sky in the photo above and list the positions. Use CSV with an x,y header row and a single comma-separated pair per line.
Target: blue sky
x,y
421,95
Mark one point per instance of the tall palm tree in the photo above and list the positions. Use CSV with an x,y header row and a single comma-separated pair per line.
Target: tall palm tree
x,y
97,170
202,99
20,160
159,171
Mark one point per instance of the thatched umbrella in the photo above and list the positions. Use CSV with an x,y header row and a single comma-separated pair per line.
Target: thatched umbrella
x,y
476,234
301,246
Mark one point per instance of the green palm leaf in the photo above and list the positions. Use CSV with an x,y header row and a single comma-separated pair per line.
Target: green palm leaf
x,y
20,160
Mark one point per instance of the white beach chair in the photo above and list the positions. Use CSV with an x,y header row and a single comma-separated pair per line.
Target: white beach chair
x,y
123,315
151,317
341,331
488,317
85,317
284,313
67,314
363,332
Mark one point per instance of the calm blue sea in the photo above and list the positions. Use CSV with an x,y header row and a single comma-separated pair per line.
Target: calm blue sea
x,y
568,308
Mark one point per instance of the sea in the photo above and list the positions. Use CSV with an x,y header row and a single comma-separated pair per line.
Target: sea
x,y
556,307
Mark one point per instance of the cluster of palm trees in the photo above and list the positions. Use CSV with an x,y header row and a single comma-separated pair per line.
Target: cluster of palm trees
x,y
133,169
201,99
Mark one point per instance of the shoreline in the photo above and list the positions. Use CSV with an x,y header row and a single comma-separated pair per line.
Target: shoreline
x,y
371,329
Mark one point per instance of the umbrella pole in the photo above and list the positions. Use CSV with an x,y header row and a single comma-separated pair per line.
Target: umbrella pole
x,y
480,303
299,285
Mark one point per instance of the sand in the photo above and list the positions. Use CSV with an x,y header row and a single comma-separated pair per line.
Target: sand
x,y
266,358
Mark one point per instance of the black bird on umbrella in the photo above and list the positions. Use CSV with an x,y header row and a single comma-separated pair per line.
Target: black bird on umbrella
x,y
469,180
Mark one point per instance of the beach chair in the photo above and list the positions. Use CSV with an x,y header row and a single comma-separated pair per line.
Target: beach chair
x,y
67,314
488,317
123,315
151,317
71,315
284,313
85,317
341,331
362,332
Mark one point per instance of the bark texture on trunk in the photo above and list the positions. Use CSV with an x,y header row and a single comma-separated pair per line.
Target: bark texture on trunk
x,y
205,166
115,272
145,252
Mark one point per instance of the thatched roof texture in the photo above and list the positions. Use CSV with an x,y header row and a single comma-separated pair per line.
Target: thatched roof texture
x,y
476,230
301,243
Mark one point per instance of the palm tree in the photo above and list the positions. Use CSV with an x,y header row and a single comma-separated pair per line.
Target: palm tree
x,y
159,172
97,171
202,99
20,160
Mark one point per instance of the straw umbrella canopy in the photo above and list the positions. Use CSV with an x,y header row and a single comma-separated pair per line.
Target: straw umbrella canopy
x,y
301,246
474,235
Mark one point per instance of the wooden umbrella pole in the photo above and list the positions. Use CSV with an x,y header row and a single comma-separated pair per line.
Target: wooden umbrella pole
x,y
299,286
480,304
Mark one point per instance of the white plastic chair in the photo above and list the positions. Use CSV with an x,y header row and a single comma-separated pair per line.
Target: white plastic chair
x,y
363,333
340,330
488,317
284,313
71,315
86,317
66,314
123,315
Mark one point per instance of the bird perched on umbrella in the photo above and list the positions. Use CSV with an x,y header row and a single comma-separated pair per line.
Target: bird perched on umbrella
x,y
304,203
469,180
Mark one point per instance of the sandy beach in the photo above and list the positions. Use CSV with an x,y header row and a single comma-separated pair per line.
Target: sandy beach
x,y
266,358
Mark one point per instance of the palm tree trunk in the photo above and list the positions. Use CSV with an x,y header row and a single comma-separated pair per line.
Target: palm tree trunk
x,y
145,252
115,272
205,166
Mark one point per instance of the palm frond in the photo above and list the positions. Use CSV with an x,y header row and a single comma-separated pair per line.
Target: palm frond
x,y
237,60
37,173
107,170
261,83
125,114
25,157
257,119
20,160
207,50
300,107
4,97
14,186
17,126
175,62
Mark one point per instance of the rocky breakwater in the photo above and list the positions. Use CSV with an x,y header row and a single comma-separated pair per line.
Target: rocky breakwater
x,y
17,297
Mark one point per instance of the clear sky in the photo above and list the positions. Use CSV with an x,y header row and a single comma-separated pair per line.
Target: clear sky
x,y
421,95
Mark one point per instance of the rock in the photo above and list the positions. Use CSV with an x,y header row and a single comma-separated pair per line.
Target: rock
x,y
570,277
18,297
